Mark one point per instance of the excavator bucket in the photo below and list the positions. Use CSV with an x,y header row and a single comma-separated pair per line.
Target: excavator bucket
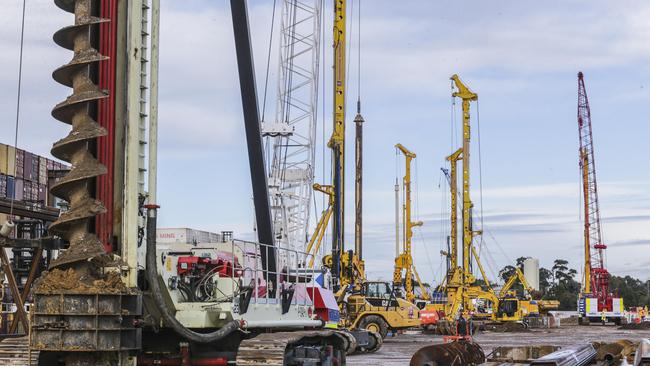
x,y
459,353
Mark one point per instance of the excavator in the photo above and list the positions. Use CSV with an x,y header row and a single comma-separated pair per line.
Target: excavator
x,y
115,297
527,300
369,309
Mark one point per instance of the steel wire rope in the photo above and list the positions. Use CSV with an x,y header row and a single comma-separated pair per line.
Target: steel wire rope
x,y
18,95
443,222
268,61
325,177
417,215
480,172
349,54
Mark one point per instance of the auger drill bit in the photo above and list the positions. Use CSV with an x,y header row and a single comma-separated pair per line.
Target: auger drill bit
x,y
77,110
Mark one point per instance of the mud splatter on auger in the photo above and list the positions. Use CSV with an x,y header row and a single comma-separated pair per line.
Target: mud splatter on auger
x,y
77,110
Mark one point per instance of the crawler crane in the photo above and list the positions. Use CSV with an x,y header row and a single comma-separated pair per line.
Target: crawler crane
x,y
103,301
595,301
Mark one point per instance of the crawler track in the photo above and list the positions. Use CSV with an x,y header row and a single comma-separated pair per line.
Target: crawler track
x,y
271,349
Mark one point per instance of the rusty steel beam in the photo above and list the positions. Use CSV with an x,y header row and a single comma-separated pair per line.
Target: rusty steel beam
x,y
36,259
31,211
13,286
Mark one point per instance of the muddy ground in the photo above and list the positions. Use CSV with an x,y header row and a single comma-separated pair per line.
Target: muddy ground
x,y
398,350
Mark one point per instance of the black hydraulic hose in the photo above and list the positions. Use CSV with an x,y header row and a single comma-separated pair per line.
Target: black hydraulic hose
x,y
157,291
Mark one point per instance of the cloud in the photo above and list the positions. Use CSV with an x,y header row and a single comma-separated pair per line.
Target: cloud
x,y
631,243
520,58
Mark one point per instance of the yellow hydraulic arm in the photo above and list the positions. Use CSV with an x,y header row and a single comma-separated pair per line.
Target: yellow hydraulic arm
x,y
404,261
317,238
518,275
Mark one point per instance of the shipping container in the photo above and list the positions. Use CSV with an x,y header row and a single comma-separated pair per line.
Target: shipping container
x,y
3,186
20,164
28,161
4,160
11,188
185,236
27,190
33,176
42,193
11,161
31,191
19,186
42,170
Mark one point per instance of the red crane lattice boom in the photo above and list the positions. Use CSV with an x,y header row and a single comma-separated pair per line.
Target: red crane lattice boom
x,y
596,276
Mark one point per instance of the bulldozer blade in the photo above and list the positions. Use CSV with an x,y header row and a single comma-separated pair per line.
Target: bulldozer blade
x,y
459,353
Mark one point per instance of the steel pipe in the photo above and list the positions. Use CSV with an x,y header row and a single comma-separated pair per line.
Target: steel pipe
x,y
248,324
576,355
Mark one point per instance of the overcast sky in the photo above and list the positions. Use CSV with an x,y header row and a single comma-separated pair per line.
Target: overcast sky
x,y
520,57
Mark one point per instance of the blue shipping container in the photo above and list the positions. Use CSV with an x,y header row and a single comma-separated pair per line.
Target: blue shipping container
x,y
11,187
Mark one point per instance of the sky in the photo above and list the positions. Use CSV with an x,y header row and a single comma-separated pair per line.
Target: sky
x,y
520,57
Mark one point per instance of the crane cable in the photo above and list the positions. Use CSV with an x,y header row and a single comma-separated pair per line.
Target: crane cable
x,y
480,172
268,62
20,78
359,52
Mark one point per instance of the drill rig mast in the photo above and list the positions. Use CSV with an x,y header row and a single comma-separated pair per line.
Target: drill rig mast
x,y
404,261
337,145
466,96
596,300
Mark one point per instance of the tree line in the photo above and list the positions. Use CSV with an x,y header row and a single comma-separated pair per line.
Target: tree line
x,y
560,283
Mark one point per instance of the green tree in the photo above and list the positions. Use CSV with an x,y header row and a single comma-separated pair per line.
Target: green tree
x,y
545,280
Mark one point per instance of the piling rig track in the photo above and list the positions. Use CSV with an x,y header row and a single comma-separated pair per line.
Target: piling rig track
x,y
271,349
77,186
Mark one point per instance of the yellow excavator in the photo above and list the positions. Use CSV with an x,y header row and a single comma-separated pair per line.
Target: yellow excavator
x,y
364,305
527,300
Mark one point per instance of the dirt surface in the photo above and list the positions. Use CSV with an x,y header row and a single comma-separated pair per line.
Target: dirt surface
x,y
398,350
636,326
70,281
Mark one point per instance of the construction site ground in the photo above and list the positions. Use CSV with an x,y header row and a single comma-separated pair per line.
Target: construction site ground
x,y
399,349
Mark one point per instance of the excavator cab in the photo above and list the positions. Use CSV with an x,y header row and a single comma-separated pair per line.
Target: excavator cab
x,y
380,294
